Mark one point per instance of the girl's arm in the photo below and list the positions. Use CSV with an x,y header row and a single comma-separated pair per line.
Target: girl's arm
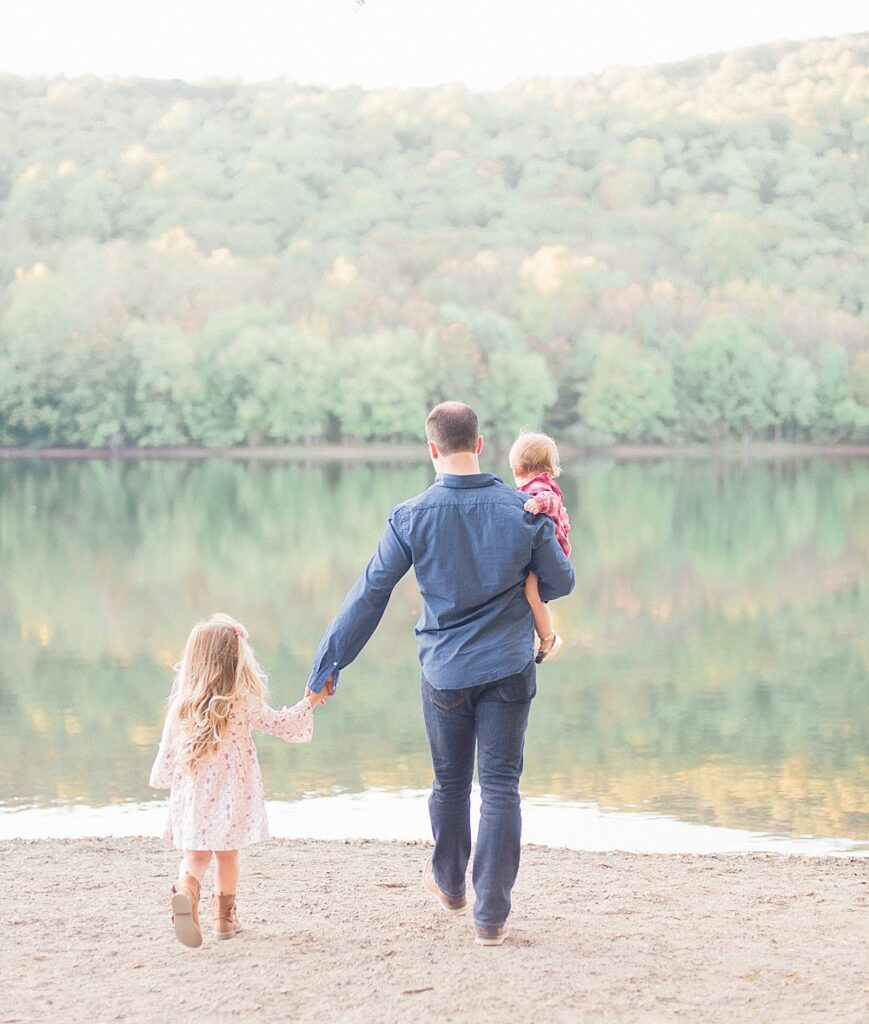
x,y
295,724
544,502
164,763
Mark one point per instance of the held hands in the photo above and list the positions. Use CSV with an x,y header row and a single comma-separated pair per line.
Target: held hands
x,y
320,698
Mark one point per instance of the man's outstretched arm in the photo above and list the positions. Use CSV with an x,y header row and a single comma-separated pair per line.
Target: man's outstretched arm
x,y
554,572
362,609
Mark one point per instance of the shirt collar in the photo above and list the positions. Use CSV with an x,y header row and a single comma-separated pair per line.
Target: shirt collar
x,y
543,478
467,479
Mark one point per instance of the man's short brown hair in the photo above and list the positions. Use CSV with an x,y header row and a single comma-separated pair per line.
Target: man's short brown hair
x,y
453,427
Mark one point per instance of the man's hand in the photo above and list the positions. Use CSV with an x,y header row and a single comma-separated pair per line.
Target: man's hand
x,y
320,698
533,505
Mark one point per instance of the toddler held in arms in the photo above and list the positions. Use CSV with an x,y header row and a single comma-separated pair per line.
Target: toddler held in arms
x,y
534,464
207,761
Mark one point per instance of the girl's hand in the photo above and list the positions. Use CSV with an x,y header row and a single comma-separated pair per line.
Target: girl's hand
x,y
532,505
316,698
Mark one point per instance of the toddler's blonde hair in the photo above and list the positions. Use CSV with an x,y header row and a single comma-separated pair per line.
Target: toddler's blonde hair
x,y
533,453
217,669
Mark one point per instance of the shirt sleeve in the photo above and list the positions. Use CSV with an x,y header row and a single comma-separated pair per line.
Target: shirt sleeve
x,y
164,764
363,606
294,725
555,577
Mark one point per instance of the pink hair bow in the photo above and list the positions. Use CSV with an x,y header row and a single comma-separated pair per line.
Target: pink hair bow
x,y
239,630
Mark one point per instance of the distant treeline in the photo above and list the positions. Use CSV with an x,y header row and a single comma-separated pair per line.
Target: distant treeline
x,y
667,254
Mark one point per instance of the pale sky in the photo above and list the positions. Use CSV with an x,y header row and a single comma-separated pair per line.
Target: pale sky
x,y
483,43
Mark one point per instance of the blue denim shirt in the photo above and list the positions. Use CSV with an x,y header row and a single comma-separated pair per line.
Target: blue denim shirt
x,y
471,545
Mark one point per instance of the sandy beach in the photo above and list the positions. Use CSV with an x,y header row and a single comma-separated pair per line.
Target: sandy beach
x,y
343,931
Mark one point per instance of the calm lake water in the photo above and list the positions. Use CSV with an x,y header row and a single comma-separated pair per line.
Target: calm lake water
x,y
715,673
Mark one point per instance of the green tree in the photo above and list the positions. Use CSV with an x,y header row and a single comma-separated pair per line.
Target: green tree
x,y
727,382
163,356
630,393
254,381
834,412
377,389
795,398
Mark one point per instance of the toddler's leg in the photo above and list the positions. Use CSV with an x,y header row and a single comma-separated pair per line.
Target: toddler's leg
x,y
225,884
540,610
550,641
185,897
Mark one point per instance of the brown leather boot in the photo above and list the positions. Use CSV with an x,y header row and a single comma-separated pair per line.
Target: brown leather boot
x,y
185,912
225,917
454,904
489,936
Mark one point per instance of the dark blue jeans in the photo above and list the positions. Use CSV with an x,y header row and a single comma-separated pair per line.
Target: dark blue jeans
x,y
491,718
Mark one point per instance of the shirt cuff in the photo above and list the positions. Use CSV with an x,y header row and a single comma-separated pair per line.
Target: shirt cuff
x,y
318,678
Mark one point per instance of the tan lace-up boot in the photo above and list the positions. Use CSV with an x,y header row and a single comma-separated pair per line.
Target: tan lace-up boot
x,y
185,912
225,917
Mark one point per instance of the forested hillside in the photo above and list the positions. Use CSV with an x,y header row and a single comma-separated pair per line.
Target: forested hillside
x,y
666,254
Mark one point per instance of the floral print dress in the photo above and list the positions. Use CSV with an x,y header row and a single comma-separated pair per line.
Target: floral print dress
x,y
220,805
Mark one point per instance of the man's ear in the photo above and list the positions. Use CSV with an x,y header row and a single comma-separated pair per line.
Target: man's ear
x,y
479,444
433,450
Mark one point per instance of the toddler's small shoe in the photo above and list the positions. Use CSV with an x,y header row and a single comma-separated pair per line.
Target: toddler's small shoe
x,y
185,912
550,645
225,917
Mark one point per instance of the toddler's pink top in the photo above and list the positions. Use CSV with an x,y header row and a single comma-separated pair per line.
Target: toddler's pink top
x,y
220,804
544,489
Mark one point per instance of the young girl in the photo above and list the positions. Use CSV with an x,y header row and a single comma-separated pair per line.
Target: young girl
x,y
534,463
208,761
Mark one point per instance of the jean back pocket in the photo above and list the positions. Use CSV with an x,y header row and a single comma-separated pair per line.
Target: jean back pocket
x,y
519,688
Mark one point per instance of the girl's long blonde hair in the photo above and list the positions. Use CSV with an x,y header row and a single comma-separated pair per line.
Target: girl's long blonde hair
x,y
217,669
